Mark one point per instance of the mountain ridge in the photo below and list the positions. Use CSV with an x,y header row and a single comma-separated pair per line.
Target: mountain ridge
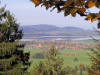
x,y
47,27
51,30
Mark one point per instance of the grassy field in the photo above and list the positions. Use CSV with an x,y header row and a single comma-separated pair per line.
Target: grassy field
x,y
33,60
81,55
72,57
69,60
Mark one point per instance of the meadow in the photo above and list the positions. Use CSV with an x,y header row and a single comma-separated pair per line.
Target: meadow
x,y
70,56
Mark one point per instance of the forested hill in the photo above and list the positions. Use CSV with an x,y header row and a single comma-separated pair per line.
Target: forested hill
x,y
51,30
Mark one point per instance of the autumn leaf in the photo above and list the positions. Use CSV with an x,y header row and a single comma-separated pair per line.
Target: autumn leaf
x,y
95,17
72,7
88,17
67,3
1,35
98,4
36,2
82,10
73,11
99,25
97,72
66,12
91,4
92,20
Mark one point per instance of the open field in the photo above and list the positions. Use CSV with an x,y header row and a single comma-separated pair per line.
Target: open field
x,y
68,56
71,54
81,57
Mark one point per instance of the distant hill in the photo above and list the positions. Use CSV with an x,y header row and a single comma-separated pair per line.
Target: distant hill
x,y
51,30
39,28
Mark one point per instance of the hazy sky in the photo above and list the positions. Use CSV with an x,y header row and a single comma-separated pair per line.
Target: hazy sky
x,y
27,14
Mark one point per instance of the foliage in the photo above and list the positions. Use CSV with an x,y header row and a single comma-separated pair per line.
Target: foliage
x,y
13,61
73,7
51,66
95,67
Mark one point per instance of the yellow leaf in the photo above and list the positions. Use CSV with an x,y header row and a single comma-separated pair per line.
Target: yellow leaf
x,y
88,17
67,3
94,19
73,11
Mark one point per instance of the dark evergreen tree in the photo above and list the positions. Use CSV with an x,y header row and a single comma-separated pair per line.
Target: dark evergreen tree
x,y
54,63
13,61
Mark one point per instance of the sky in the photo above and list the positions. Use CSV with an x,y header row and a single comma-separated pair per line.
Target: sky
x,y
26,14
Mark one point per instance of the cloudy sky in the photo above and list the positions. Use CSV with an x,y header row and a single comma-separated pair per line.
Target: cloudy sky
x,y
27,14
